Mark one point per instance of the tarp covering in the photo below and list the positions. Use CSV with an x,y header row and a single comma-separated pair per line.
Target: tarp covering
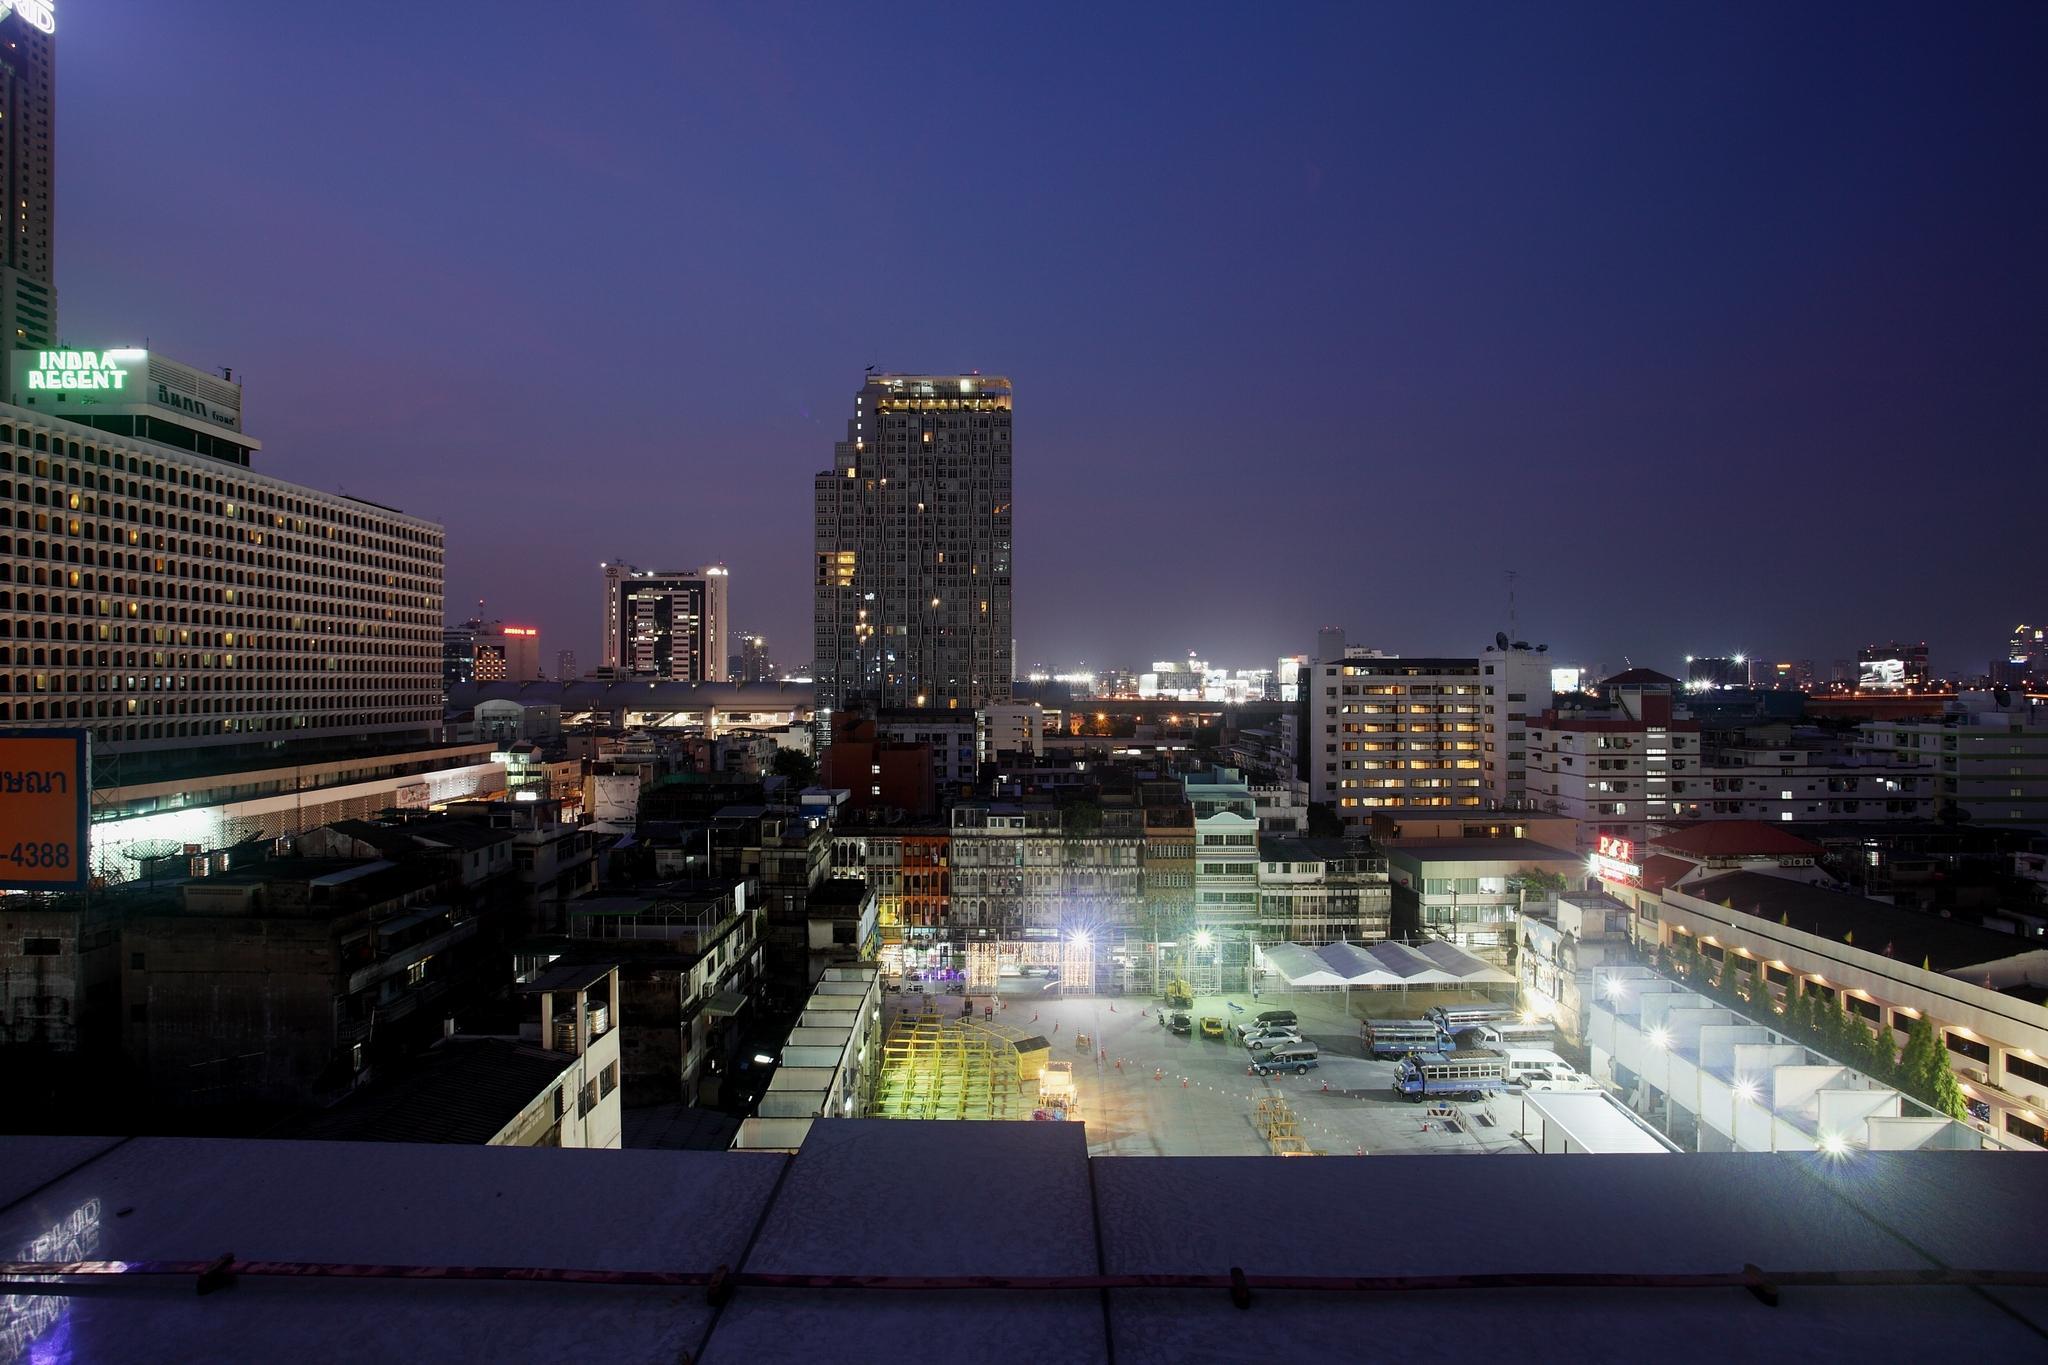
x,y
1431,963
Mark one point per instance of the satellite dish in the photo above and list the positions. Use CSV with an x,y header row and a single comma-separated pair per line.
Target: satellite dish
x,y
2001,696
1543,649
1500,639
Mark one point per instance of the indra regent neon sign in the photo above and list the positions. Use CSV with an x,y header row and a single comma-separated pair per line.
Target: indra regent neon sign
x,y
40,13
107,371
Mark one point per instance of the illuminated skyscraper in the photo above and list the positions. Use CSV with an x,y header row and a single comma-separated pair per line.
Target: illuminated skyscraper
x,y
28,169
913,546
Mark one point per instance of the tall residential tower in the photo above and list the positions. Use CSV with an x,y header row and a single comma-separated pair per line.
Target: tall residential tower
x,y
28,170
912,602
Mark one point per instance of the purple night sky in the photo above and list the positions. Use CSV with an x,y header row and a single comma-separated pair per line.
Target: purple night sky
x,y
1723,325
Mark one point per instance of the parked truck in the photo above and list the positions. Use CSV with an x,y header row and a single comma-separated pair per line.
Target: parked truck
x,y
1399,1037
1505,1033
1470,1074
1452,1018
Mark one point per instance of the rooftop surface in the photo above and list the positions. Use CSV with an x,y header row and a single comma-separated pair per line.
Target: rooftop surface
x,y
463,1090
1735,839
1879,927
1006,1200
1478,851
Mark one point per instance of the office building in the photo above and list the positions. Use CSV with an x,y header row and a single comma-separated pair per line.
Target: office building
x,y
665,625
913,546
28,170
750,663
1384,733
565,665
458,656
502,653
2025,661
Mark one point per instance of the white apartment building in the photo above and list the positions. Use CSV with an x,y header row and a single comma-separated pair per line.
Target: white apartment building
x,y
1226,848
958,740
1642,764
1515,685
1014,728
1387,733
1988,752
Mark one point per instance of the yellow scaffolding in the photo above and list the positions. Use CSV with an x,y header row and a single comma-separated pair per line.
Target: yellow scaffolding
x,y
949,1068
1280,1126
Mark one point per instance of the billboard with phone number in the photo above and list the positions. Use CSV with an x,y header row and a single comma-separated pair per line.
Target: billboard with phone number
x,y
44,783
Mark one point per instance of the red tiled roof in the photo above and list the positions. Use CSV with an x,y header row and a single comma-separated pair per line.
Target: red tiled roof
x,y
1735,839
1661,870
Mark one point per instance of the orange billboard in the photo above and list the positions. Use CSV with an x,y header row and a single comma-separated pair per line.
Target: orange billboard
x,y
44,782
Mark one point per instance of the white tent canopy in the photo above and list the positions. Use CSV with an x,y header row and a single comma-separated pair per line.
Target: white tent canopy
x,y
1431,963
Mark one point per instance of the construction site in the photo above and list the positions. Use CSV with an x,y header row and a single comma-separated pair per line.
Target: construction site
x,y
1139,1088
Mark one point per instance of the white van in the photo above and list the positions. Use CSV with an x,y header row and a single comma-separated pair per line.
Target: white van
x,y
1526,1064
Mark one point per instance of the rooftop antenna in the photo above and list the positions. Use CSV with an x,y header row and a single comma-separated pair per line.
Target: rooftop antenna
x,y
1514,632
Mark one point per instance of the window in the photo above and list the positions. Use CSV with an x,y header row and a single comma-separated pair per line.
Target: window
x,y
2026,1070
1968,1047
135,961
41,947
608,1080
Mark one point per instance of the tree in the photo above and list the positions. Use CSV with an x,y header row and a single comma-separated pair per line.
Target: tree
x,y
1324,822
1080,817
1760,991
795,765
1924,1072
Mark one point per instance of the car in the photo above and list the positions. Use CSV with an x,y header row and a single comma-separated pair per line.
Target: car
x,y
1299,1058
1277,1017
1180,1022
1212,1027
1272,1038
1247,1030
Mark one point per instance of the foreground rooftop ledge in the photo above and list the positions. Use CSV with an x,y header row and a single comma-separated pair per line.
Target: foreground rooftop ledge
x,y
846,1245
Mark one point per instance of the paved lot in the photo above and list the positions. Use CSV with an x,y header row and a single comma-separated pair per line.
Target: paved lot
x,y
1201,1102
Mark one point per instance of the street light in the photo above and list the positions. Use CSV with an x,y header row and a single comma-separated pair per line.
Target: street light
x,y
1203,938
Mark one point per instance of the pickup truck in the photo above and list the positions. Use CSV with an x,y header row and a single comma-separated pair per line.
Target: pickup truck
x,y
1472,1074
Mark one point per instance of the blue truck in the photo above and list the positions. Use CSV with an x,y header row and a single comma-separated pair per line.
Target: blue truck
x,y
1399,1037
1469,1074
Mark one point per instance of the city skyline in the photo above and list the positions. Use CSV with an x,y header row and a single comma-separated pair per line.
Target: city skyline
x,y
1751,253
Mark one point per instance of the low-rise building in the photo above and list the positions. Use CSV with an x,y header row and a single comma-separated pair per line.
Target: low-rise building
x,y
1322,891
1472,892
689,958
554,1085
1988,752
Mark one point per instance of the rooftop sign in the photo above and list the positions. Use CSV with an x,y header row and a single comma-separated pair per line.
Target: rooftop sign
x,y
39,13
123,371
125,380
